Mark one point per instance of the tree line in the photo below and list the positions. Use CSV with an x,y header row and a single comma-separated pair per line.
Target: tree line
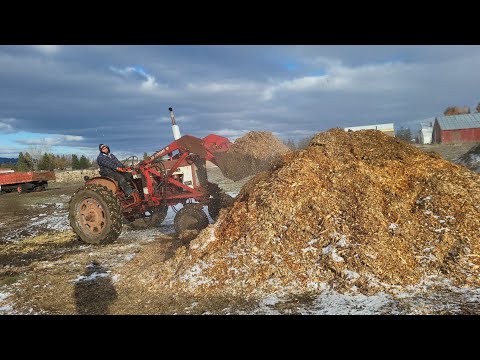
x,y
299,144
49,162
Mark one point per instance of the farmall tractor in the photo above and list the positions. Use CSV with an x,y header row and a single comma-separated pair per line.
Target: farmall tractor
x,y
174,175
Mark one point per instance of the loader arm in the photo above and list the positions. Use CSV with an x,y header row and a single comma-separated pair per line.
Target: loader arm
x,y
205,148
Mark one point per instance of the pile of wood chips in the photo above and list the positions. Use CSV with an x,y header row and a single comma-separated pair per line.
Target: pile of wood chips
x,y
354,211
252,153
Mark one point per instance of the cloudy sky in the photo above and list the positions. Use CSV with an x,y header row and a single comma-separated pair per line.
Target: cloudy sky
x,y
68,99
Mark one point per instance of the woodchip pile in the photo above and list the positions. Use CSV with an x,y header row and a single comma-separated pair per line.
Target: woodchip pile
x,y
354,211
250,154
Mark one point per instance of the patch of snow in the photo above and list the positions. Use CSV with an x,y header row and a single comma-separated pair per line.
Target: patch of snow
x,y
310,248
53,222
193,277
201,245
130,256
343,241
336,257
351,275
313,241
334,303
326,249
270,300
392,226
92,277
3,296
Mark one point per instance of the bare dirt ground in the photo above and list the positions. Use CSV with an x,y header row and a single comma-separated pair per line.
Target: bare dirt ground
x,y
449,152
45,269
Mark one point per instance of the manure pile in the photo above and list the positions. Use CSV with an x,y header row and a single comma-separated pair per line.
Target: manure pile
x,y
355,210
252,153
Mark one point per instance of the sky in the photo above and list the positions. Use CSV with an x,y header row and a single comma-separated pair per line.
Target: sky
x,y
69,99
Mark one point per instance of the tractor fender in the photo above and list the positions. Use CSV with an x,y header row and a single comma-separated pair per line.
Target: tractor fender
x,y
109,183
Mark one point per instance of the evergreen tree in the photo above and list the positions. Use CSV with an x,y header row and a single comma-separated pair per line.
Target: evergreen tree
x,y
84,163
75,162
47,162
404,134
28,162
21,163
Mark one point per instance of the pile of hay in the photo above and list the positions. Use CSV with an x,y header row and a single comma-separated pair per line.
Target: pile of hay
x,y
252,153
355,210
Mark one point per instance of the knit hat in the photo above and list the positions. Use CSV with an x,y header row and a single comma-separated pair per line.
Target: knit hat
x,y
100,147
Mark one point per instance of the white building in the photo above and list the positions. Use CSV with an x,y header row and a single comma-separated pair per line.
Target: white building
x,y
426,131
386,128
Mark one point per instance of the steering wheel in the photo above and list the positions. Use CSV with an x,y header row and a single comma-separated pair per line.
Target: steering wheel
x,y
133,159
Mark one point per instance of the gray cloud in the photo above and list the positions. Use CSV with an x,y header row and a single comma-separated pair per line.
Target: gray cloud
x,y
59,140
6,125
120,94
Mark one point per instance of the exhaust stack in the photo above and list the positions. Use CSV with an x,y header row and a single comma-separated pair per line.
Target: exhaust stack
x,y
175,128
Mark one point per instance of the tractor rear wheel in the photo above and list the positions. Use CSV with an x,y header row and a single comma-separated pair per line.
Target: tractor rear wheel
x,y
190,218
95,214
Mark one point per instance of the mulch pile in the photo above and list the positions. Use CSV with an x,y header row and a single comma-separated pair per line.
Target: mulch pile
x,y
252,153
355,210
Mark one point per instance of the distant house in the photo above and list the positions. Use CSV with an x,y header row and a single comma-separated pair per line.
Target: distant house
x,y
426,131
386,128
456,129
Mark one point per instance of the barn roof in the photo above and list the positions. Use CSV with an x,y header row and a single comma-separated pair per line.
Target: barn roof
x,y
456,122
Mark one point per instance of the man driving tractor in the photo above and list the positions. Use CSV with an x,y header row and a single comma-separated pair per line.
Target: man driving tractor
x,y
110,166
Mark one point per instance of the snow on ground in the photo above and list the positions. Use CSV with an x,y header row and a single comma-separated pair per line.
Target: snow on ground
x,y
428,297
5,306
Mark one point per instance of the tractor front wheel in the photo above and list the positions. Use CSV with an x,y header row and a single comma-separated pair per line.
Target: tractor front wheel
x,y
190,218
158,215
217,202
95,214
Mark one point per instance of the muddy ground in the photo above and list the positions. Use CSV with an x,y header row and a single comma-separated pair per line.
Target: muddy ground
x,y
46,269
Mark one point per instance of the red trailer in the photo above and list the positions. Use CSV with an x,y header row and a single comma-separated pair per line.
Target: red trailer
x,y
25,181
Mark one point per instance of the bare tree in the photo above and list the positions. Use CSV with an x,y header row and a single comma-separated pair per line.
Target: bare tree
x,y
36,152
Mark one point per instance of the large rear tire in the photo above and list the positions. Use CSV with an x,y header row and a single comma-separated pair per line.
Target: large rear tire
x,y
190,218
95,214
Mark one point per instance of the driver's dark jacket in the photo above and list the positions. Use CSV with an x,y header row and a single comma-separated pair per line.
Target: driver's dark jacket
x,y
108,162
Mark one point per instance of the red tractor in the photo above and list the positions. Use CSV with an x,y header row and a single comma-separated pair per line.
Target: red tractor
x,y
176,174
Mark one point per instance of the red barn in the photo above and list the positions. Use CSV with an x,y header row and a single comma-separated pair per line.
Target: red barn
x,y
456,129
